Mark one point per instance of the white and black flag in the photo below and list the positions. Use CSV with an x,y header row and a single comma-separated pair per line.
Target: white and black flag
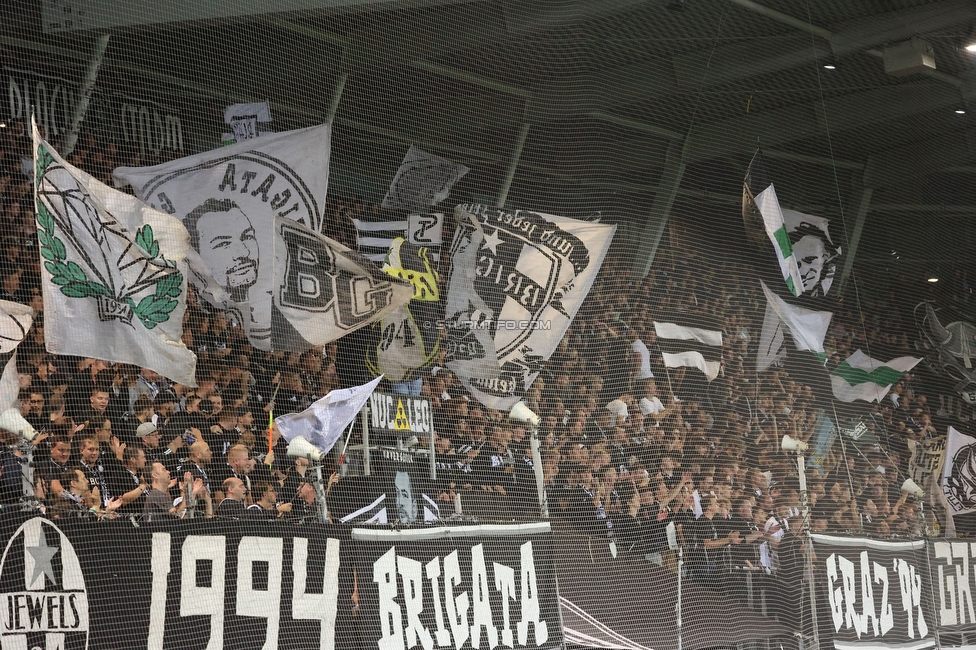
x,y
375,233
685,343
423,180
517,280
228,200
959,473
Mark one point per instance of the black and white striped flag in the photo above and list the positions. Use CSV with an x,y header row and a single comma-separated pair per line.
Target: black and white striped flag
x,y
375,233
684,344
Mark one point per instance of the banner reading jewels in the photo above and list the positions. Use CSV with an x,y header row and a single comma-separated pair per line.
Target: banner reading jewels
x,y
75,584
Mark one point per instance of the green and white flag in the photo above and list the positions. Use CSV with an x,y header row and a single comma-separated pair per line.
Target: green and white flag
x,y
113,271
768,205
807,327
862,378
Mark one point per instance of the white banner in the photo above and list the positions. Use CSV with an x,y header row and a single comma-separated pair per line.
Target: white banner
x,y
114,275
228,199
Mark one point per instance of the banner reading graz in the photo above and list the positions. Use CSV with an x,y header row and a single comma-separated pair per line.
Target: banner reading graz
x,y
462,587
75,584
878,593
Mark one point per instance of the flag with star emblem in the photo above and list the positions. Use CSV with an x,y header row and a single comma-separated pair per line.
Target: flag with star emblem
x,y
517,280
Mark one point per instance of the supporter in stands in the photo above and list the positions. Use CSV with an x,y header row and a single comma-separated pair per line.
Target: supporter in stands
x,y
231,506
129,482
91,465
56,464
266,506
77,498
160,503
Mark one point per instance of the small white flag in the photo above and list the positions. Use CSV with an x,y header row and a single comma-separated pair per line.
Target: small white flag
x,y
243,119
323,422
15,321
860,377
422,180
694,347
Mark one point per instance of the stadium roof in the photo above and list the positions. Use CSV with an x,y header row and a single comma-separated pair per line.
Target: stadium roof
x,y
640,109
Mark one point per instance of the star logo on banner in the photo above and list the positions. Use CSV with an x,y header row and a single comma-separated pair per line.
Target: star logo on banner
x,y
42,554
492,241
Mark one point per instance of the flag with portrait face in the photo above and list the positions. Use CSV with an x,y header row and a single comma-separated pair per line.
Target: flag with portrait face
x,y
227,200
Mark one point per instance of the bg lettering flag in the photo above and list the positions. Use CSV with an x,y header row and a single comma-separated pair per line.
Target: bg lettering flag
x,y
517,280
113,272
327,290
228,200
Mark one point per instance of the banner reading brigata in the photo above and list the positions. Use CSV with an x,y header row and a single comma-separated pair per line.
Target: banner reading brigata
x,y
462,587
878,592
74,584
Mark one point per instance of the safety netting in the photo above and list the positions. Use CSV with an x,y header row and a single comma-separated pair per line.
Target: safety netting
x,y
494,323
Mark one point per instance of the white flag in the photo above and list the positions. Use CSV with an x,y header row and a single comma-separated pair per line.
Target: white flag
x,y
683,344
772,215
15,322
323,422
228,200
861,377
517,280
959,473
422,180
326,290
113,272
807,327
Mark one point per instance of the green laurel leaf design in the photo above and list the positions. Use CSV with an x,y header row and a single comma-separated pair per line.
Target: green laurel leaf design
x,y
43,161
73,281
146,240
153,310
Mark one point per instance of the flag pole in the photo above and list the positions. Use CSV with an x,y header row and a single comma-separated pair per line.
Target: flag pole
x,y
345,445
271,414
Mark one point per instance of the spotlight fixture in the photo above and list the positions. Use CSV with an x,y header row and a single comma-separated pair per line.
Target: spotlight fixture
x,y
960,110
933,279
3,125
829,64
971,48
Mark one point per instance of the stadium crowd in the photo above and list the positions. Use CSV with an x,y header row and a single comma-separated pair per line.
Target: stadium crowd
x,y
649,456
